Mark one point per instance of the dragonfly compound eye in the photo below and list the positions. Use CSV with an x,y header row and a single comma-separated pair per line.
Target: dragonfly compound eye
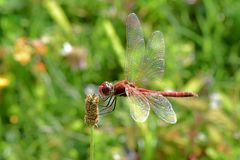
x,y
105,89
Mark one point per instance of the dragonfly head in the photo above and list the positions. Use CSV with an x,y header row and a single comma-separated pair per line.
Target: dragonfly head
x,y
105,89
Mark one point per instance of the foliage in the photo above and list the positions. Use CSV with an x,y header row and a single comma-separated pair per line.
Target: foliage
x,y
53,52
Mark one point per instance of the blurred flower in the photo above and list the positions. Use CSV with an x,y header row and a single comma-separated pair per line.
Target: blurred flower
x,y
45,39
193,156
67,49
91,89
4,82
131,154
39,67
116,156
202,137
118,153
23,51
223,147
215,100
76,56
92,113
39,46
13,119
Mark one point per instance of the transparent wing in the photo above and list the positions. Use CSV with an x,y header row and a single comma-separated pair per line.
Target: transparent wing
x,y
139,105
135,47
153,63
162,107
143,65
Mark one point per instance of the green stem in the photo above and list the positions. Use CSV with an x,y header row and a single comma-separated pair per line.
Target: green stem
x,y
92,143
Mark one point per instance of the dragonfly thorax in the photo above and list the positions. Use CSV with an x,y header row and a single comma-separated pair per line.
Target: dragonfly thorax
x,y
106,89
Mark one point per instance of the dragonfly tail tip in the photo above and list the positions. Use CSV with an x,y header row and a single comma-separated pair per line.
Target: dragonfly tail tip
x,y
195,95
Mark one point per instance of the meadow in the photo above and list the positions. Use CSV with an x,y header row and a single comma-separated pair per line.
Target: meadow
x,y
54,52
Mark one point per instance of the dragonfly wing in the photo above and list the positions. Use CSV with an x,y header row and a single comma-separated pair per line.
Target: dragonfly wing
x,y
152,62
135,46
162,107
139,108
143,65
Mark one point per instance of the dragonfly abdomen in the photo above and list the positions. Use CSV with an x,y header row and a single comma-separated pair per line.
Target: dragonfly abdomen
x,y
178,94
169,94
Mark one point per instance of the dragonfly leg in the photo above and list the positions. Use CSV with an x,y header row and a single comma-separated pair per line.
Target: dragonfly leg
x,y
109,101
105,98
110,107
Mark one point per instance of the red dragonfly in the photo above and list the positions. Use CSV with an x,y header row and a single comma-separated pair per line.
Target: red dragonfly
x,y
141,66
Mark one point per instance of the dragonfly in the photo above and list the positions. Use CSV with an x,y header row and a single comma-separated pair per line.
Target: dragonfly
x,y
142,65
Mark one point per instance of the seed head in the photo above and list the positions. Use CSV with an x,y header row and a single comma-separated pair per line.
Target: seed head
x,y
92,113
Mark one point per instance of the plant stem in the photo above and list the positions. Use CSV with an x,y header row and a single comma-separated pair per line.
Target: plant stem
x,y
92,143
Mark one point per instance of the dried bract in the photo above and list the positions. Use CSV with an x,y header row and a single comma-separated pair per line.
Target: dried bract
x,y
92,112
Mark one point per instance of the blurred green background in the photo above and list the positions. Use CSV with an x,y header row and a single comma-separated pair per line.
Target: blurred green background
x,y
52,53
